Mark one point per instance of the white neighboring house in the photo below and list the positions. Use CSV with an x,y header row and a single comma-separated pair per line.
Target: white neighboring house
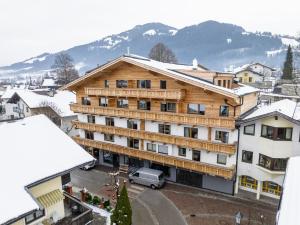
x,y
288,212
50,83
10,109
269,136
56,107
35,162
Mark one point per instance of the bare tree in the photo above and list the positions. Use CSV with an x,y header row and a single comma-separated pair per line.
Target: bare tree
x,y
162,53
64,68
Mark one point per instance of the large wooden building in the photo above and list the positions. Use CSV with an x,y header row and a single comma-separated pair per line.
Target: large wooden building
x,y
177,118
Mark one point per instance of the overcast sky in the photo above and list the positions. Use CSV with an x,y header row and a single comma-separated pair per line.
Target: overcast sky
x,y
31,27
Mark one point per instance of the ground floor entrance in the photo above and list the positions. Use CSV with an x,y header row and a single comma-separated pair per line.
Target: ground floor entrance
x,y
189,178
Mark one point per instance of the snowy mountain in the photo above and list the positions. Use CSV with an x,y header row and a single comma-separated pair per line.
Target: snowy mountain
x,y
215,45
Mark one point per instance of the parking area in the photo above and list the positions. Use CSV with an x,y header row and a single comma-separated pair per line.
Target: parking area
x,y
178,204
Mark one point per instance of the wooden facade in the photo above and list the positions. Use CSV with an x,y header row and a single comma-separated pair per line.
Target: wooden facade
x,y
160,158
163,138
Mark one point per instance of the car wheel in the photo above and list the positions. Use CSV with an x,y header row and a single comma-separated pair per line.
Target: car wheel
x,y
131,181
153,186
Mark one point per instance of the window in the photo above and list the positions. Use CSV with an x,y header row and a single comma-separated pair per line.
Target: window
x,y
151,147
106,83
163,149
122,103
85,101
221,159
247,156
164,128
222,136
271,187
163,84
109,137
103,101
276,164
122,83
276,133
133,143
107,157
250,79
136,174
249,129
131,124
248,182
168,107
144,84
196,109
191,132
144,105
182,151
90,119
34,216
219,83
89,135
109,121
196,155
224,83
224,110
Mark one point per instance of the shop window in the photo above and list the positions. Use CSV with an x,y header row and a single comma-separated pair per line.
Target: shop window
x,y
248,182
107,157
272,188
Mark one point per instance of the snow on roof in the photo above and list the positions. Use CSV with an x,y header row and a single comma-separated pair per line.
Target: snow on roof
x,y
9,92
174,68
286,107
34,149
59,102
290,201
48,82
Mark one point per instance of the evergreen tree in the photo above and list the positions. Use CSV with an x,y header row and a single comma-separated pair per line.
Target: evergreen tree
x,y
288,65
122,215
162,53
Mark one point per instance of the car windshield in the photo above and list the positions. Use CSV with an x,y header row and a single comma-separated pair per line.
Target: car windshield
x,y
161,176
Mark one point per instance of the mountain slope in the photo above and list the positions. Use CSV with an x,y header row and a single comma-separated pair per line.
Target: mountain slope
x,y
215,45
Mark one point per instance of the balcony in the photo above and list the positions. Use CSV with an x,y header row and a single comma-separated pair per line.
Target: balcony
x,y
177,118
164,138
212,170
175,94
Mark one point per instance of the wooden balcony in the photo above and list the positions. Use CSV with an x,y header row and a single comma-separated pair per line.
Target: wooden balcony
x,y
177,118
164,138
175,94
177,162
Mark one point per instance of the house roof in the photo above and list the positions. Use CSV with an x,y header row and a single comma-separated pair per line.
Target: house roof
x,y
33,150
59,102
168,69
290,201
249,70
258,63
285,108
49,82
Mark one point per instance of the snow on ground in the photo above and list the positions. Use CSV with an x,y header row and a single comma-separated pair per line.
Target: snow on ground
x,y
150,32
101,212
289,41
273,52
173,32
32,60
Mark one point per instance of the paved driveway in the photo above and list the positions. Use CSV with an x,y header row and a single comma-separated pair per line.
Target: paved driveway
x,y
150,207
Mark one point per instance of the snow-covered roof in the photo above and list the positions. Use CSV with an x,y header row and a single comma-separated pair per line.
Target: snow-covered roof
x,y
32,150
168,69
284,107
59,102
48,82
288,213
9,92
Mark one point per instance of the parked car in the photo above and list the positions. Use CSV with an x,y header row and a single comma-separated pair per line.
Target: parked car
x,y
88,166
148,177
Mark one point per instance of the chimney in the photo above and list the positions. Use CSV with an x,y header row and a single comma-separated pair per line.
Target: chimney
x,y
195,64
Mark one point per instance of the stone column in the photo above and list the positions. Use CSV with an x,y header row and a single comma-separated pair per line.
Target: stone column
x,y
236,188
258,190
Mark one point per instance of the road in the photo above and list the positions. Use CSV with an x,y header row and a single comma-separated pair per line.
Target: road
x,y
149,207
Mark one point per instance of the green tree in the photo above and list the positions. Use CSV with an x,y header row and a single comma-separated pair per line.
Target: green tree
x,y
122,214
288,65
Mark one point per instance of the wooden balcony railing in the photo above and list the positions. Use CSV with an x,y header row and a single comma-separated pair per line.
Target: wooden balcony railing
x,y
213,170
176,94
178,118
164,138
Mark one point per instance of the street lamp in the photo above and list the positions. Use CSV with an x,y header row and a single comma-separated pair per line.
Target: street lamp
x,y
238,218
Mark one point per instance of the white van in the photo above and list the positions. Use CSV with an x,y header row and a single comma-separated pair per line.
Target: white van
x,y
148,177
